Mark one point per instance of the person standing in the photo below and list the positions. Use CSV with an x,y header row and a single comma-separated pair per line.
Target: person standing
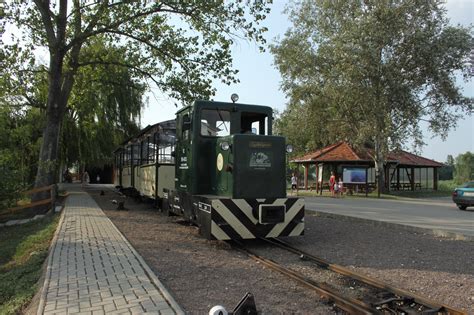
x,y
67,176
332,182
340,187
85,178
294,183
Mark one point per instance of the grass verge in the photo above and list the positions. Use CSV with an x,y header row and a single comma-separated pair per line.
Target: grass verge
x,y
444,190
23,249
307,193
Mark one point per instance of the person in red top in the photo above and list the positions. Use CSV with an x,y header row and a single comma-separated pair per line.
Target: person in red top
x,y
332,182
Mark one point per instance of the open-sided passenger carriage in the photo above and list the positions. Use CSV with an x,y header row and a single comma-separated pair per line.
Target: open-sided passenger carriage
x,y
144,164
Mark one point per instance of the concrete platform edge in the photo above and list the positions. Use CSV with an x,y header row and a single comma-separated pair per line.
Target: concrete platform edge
x,y
151,274
434,232
49,267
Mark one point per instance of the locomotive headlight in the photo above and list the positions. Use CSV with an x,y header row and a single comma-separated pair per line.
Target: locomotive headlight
x,y
234,97
225,146
289,148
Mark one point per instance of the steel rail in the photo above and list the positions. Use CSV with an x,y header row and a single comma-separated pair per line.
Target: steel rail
x,y
439,308
349,305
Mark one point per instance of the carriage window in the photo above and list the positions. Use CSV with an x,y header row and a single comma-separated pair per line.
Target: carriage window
x,y
215,123
144,151
166,145
148,150
136,150
127,156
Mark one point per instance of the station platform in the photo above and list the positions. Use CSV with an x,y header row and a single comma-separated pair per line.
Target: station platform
x,y
93,269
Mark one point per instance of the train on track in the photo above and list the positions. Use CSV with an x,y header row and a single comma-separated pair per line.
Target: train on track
x,y
218,166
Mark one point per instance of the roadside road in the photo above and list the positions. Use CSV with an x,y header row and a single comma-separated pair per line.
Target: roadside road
x,y
435,213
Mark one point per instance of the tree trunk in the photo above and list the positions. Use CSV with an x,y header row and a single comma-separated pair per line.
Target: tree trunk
x,y
48,158
379,167
55,108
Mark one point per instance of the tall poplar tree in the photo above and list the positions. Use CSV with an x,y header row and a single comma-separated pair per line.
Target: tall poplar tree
x,y
372,71
178,45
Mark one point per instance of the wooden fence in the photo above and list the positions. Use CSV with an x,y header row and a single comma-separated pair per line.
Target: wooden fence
x,y
51,199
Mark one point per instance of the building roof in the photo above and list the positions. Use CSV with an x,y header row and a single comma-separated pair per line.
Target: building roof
x,y
410,159
338,152
344,152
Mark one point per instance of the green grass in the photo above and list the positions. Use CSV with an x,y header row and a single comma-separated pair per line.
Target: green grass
x,y
307,193
23,250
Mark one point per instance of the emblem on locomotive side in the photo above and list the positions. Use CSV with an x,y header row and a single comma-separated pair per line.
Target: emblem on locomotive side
x,y
220,162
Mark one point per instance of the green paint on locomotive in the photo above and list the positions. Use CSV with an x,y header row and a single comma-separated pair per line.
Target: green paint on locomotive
x,y
252,167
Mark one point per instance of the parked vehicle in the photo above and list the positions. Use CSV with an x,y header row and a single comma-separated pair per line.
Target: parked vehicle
x,y
463,196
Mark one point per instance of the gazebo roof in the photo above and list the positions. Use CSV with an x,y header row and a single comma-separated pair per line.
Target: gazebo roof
x,y
410,159
338,152
344,152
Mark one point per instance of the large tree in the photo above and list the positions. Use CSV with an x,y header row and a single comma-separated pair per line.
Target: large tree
x,y
373,70
178,45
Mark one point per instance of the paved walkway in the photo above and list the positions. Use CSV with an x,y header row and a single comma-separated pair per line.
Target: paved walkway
x,y
93,269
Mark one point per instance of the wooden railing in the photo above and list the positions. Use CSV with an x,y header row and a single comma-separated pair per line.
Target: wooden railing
x,y
51,199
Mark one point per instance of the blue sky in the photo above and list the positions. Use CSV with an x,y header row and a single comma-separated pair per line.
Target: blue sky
x,y
260,83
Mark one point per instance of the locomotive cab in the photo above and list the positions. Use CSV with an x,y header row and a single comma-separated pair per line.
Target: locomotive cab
x,y
227,149
230,173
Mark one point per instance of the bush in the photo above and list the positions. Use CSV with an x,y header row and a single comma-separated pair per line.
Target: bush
x,y
446,185
11,183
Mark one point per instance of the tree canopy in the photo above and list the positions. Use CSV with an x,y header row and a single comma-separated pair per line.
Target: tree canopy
x,y
104,108
372,72
180,46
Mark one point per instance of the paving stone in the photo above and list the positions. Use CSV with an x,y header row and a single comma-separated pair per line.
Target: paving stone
x,y
109,307
148,305
92,309
162,306
73,309
136,310
85,304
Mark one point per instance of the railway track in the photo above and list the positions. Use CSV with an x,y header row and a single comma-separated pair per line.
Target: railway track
x,y
377,296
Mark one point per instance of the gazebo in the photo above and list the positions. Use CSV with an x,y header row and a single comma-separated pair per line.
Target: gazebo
x,y
403,170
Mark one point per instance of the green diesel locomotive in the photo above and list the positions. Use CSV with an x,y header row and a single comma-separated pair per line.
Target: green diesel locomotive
x,y
217,165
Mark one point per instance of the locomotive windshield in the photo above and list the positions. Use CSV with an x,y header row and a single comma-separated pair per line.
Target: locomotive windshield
x,y
215,123
220,123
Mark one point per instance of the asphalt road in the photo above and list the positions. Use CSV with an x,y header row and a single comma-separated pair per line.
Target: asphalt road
x,y
435,214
